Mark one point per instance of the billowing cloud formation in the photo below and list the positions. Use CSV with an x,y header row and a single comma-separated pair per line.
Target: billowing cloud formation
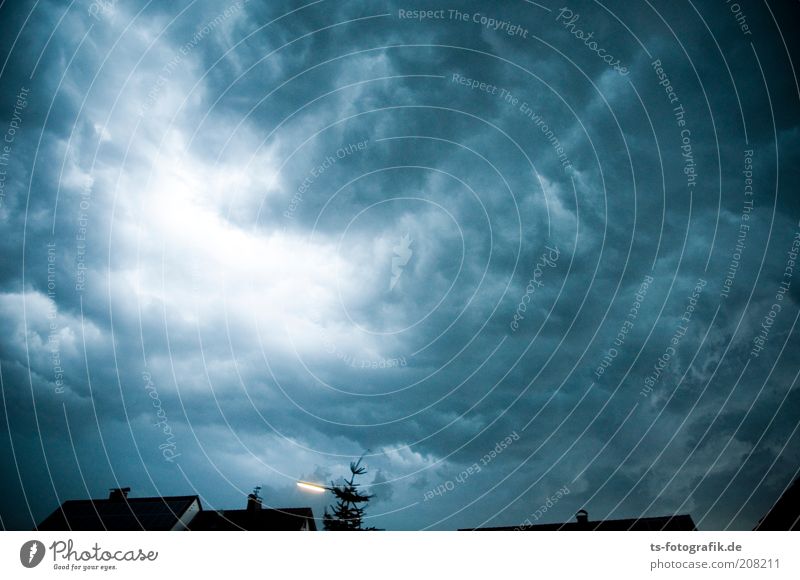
x,y
501,250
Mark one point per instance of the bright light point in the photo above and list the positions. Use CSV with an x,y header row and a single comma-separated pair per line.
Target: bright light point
x,y
311,487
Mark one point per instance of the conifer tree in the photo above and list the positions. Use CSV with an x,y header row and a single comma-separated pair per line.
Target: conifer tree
x,y
348,511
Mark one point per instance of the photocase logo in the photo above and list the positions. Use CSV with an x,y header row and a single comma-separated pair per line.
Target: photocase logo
x,y
31,553
402,254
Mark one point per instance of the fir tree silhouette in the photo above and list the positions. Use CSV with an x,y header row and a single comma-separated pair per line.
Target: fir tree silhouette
x,y
348,511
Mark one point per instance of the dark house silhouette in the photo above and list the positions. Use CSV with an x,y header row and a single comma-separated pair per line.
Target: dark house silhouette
x,y
255,518
680,523
785,514
177,513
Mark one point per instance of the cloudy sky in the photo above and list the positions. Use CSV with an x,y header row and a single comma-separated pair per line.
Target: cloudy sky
x,y
519,254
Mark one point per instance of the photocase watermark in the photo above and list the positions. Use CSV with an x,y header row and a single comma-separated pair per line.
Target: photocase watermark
x,y
568,19
744,226
353,361
168,447
542,509
80,235
666,357
362,363
317,171
7,146
547,131
492,24
627,326
689,165
760,340
67,557
200,34
53,337
687,153
740,17
548,259
476,467
523,107
401,255
31,553
100,9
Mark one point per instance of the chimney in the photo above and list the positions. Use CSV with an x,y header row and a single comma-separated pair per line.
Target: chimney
x,y
582,516
254,500
118,493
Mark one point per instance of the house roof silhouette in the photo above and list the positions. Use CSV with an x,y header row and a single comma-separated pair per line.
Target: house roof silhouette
x,y
177,513
582,523
116,514
785,513
280,519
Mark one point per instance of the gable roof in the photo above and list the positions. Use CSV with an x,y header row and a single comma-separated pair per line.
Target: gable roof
x,y
142,513
279,519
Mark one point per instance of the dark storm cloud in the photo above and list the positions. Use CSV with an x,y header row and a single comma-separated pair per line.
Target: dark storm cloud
x,y
299,236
